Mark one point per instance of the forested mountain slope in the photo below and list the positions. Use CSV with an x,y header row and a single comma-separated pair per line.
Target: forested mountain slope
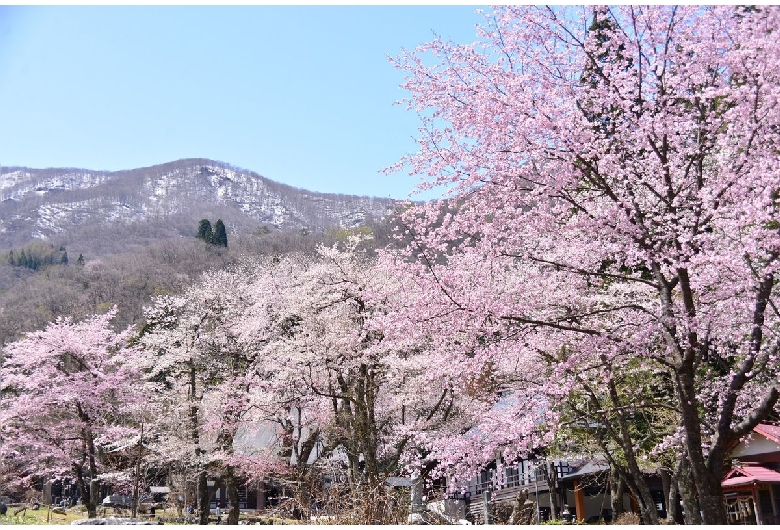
x,y
63,206
74,242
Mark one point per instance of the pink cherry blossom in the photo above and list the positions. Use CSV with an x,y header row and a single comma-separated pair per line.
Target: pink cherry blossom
x,y
612,194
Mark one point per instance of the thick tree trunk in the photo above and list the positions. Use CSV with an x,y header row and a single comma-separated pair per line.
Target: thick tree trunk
x,y
671,492
203,498
91,497
711,502
202,495
708,472
231,485
365,417
551,477
641,492
710,495
634,478
137,473
617,488
687,488
84,490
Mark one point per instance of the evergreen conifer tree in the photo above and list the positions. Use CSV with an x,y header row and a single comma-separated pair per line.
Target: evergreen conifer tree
x,y
64,259
23,259
11,259
80,261
204,231
220,236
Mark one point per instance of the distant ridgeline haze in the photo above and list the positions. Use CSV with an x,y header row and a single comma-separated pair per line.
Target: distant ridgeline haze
x,y
168,198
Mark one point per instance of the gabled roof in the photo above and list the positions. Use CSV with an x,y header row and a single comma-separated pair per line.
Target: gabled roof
x,y
593,466
750,474
769,430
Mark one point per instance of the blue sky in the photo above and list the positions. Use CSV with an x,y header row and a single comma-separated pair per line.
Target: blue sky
x,y
302,95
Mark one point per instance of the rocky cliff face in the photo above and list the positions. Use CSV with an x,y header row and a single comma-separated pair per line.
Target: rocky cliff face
x,y
50,203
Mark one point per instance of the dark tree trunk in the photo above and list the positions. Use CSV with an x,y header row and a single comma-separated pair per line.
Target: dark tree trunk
x,y
91,497
634,477
551,477
710,496
637,485
617,487
137,473
231,485
84,490
708,472
671,493
366,423
687,490
203,498
202,492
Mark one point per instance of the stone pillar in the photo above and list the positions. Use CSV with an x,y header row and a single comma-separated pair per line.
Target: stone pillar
x,y
46,492
261,496
417,493
416,503
486,507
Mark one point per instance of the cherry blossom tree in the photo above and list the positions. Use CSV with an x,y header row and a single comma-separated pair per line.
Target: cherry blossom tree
x,y
68,398
310,321
200,383
612,195
321,370
283,352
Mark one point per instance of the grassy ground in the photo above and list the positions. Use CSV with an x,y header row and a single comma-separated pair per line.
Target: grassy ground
x,y
44,516
39,517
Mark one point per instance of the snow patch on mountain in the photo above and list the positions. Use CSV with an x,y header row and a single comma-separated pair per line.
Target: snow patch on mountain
x,y
45,202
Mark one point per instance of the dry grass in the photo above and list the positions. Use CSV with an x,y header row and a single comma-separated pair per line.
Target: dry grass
x,y
41,516
627,518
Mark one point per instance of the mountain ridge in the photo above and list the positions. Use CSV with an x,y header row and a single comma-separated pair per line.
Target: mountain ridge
x,y
58,170
49,204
